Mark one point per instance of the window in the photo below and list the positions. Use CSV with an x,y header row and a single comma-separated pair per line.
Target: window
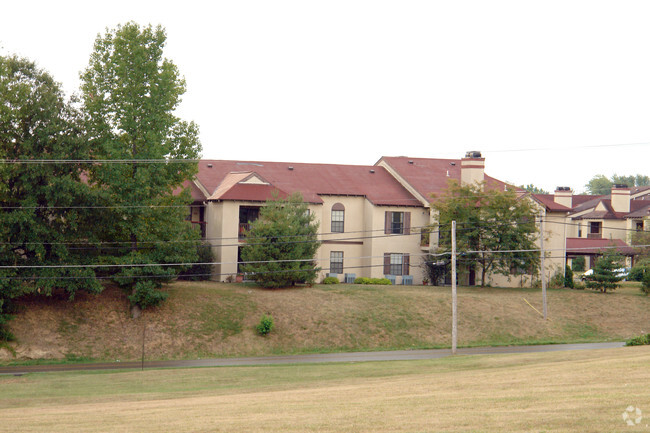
x,y
396,264
336,262
639,226
594,229
338,218
398,223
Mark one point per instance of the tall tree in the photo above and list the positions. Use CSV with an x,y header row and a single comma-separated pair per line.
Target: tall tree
x,y
43,206
488,222
534,190
601,185
281,244
130,93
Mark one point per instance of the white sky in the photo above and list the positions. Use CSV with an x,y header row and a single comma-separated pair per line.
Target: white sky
x,y
349,81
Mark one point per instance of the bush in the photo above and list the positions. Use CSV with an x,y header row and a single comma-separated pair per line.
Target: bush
x,y
378,281
579,286
645,283
266,325
641,340
199,272
557,281
330,280
578,264
639,270
568,278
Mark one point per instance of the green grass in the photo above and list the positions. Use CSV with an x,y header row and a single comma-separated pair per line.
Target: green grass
x,y
555,392
218,320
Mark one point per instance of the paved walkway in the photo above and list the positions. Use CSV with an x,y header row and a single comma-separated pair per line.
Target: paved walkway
x,y
396,355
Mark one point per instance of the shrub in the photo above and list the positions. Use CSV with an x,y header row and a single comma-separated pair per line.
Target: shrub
x,y
639,271
641,340
378,281
200,272
568,278
645,283
330,280
266,325
578,264
579,286
557,281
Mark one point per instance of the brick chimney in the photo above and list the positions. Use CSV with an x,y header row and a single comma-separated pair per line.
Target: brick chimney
x,y
620,198
472,168
564,196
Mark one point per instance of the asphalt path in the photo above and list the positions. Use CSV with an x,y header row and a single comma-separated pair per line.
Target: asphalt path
x,y
396,355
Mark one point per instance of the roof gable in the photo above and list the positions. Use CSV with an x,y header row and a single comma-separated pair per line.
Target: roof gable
x,y
225,179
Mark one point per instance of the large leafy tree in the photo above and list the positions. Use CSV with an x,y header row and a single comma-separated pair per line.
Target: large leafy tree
x,y
281,244
130,93
489,222
44,215
601,185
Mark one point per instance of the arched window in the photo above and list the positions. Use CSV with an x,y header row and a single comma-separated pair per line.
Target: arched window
x,y
338,218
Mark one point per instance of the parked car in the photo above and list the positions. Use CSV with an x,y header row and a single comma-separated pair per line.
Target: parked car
x,y
620,272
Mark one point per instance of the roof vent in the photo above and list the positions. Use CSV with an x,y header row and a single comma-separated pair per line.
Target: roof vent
x,y
620,185
410,162
473,154
372,171
290,167
453,164
563,188
209,165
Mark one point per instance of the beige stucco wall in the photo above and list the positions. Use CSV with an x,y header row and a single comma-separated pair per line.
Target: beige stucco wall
x,y
363,242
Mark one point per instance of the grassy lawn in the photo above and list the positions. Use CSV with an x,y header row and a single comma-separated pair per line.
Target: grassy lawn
x,y
206,319
581,391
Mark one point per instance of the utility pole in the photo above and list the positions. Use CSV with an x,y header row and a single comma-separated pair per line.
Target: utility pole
x,y
541,245
454,302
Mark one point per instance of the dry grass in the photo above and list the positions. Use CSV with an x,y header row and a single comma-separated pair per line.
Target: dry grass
x,y
583,391
212,319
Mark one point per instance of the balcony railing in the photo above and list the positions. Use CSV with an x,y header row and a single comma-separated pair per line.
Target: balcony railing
x,y
594,235
243,228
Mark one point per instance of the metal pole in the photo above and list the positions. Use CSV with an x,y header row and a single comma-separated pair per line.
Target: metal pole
x,y
454,302
541,245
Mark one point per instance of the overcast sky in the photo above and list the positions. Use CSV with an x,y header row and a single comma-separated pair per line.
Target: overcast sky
x,y
552,92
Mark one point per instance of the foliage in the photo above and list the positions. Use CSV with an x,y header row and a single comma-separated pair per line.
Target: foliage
x,y
640,240
45,218
601,185
641,340
488,221
374,281
639,270
557,281
437,269
578,264
533,189
281,244
604,278
330,280
130,93
645,283
568,278
201,271
266,325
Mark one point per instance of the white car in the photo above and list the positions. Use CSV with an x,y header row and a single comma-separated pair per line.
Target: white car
x,y
620,272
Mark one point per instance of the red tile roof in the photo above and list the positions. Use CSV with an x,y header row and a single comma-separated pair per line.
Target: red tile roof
x,y
548,200
431,176
312,180
596,246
